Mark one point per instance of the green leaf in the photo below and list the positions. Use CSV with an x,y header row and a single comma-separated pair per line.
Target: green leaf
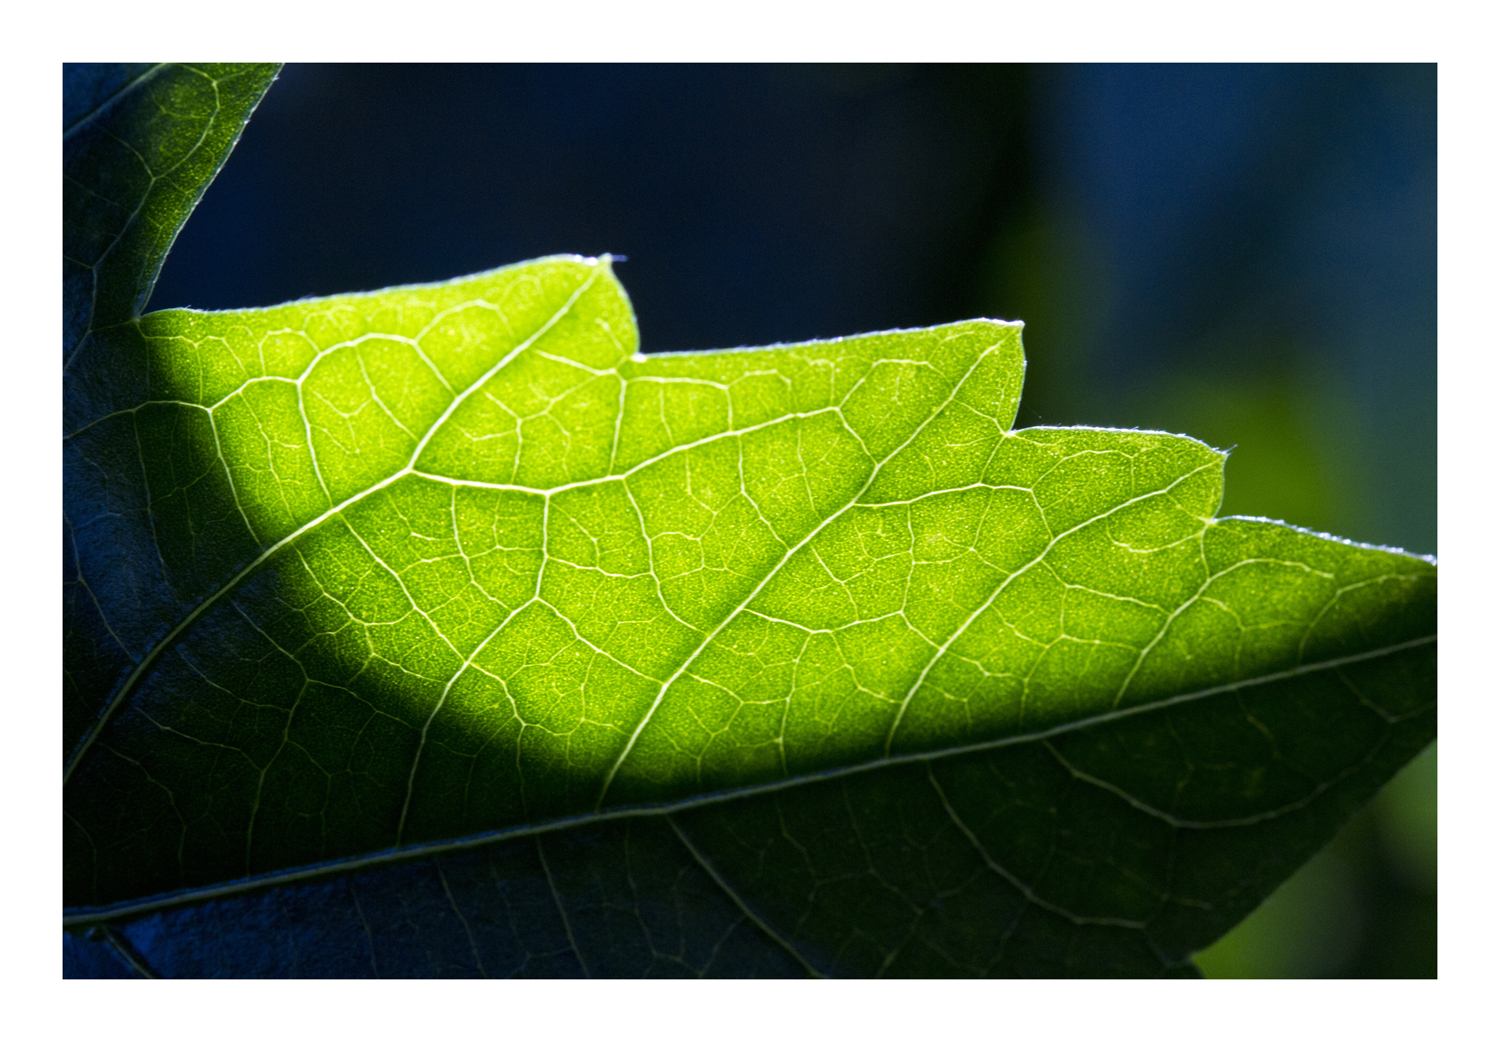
x,y
140,145
805,640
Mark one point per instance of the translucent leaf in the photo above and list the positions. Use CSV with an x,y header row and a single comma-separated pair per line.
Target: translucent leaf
x,y
438,631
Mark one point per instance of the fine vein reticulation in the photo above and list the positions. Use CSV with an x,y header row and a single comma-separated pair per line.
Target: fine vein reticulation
x,y
484,565
443,619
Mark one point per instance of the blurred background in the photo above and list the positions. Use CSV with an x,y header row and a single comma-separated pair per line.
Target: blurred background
x,y
1247,254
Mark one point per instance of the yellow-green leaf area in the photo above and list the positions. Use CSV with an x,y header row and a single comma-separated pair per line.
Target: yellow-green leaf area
x,y
508,569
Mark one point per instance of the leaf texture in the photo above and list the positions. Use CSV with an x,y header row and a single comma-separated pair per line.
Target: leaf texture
x,y
445,633
140,144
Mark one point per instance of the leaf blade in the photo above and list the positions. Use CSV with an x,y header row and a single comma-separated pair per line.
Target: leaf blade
x,y
136,159
1251,849
140,145
449,567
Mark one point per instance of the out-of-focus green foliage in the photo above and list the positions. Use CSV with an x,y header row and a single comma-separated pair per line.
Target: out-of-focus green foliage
x,y
1364,906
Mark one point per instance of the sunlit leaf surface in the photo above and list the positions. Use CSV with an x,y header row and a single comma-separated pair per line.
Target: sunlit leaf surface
x,y
438,631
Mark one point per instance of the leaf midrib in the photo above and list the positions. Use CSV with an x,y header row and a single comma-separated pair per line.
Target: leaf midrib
x,y
88,915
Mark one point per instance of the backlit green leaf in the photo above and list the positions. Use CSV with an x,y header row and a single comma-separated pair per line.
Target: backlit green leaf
x,y
804,642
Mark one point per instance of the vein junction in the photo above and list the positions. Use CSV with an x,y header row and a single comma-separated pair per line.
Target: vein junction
x,y
478,563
